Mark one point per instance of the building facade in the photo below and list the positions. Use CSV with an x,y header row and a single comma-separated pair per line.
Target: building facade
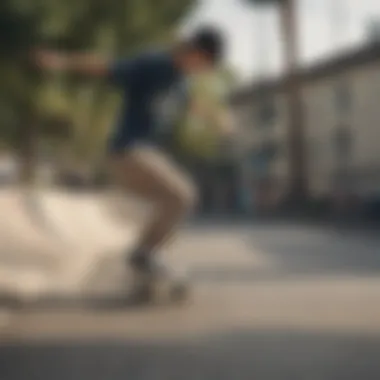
x,y
341,117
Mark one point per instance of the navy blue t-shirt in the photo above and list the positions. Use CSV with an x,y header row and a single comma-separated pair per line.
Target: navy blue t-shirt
x,y
143,80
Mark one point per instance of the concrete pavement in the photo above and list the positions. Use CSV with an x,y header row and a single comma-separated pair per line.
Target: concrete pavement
x,y
270,302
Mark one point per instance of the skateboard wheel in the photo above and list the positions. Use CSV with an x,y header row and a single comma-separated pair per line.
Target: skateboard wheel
x,y
143,294
179,293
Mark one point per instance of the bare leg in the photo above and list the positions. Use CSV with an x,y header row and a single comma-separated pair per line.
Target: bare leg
x,y
150,174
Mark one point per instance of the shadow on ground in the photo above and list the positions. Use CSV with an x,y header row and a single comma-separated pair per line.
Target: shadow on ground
x,y
317,250
259,355
296,251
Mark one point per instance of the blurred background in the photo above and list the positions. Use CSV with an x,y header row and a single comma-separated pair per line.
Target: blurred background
x,y
302,76
282,291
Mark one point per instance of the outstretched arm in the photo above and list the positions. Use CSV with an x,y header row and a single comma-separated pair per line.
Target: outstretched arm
x,y
118,72
85,64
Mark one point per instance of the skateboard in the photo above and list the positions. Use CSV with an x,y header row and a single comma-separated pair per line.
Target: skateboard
x,y
150,290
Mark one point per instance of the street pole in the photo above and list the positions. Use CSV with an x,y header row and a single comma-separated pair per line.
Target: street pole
x,y
298,188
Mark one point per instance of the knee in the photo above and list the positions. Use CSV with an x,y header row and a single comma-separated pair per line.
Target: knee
x,y
189,198
182,199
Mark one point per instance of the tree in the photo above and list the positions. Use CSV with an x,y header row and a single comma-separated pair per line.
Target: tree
x,y
110,27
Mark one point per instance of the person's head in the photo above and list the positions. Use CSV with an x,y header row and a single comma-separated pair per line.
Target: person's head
x,y
202,51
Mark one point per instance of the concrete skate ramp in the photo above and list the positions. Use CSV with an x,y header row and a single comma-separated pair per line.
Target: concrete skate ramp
x,y
81,220
51,238
73,243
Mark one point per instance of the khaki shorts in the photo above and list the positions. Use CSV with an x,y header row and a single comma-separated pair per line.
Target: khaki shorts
x,y
148,172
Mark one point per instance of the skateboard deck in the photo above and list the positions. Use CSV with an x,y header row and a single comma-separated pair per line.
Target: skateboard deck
x,y
148,290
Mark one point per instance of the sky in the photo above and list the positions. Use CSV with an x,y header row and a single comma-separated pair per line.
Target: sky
x,y
325,27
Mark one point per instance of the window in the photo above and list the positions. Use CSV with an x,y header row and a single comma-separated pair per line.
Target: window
x,y
268,151
342,141
266,113
343,98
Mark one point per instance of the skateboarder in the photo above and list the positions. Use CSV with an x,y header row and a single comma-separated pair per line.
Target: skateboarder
x,y
136,160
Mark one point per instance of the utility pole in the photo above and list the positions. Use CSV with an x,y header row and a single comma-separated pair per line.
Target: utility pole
x,y
298,186
262,53
339,19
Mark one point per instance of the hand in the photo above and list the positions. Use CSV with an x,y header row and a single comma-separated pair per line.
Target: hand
x,y
50,60
199,109
227,124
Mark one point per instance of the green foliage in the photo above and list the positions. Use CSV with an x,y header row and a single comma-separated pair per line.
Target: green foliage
x,y
114,27
199,135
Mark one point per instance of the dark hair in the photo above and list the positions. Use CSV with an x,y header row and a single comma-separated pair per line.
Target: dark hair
x,y
210,41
